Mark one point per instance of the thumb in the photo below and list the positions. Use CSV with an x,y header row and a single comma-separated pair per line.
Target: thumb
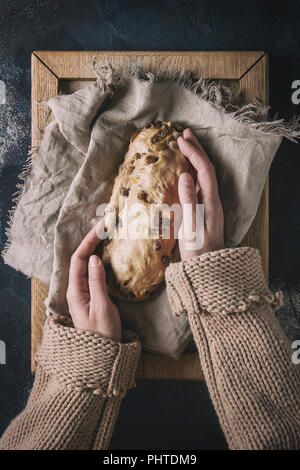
x,y
97,285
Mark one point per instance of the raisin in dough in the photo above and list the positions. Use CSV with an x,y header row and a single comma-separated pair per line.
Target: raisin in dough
x,y
149,175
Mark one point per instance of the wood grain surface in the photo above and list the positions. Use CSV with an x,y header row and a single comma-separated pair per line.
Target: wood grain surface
x,y
54,72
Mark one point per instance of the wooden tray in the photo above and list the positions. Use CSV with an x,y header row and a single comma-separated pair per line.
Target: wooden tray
x,y
54,72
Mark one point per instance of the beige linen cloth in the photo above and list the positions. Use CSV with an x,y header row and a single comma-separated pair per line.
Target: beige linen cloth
x,y
79,157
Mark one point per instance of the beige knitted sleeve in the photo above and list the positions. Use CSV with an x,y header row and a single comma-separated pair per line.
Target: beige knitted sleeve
x,y
80,381
245,356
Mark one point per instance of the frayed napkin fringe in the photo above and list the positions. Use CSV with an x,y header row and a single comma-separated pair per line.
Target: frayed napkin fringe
x,y
26,169
254,114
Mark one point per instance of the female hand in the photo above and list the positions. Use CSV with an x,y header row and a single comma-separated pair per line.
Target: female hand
x,y
205,191
89,304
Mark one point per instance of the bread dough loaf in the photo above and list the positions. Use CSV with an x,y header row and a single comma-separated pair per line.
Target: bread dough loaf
x,y
148,177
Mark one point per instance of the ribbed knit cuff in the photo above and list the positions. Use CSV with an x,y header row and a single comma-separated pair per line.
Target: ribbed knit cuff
x,y
224,281
85,360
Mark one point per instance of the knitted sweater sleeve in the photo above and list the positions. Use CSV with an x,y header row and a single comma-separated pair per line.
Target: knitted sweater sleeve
x,y
245,356
80,381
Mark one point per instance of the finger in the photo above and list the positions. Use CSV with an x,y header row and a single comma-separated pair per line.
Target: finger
x,y
97,284
79,259
206,176
187,196
188,135
186,189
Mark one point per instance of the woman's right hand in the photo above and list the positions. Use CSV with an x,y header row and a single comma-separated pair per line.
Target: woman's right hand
x,y
205,192
89,304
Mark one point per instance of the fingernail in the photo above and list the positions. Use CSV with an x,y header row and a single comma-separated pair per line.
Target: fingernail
x,y
94,261
185,178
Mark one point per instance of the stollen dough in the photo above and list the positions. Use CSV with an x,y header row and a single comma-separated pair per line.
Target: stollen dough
x,y
144,189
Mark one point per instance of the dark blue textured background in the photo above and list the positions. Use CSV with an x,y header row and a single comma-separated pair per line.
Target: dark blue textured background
x,y
156,415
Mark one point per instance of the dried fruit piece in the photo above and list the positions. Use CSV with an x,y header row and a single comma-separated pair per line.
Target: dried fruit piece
x,y
137,156
165,259
130,170
178,127
125,192
151,159
155,124
142,196
125,283
119,222
164,132
156,246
